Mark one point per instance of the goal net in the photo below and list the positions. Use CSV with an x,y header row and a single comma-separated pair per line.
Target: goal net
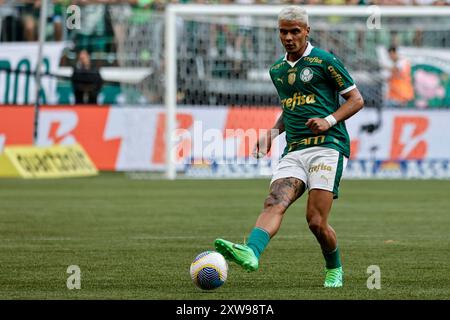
x,y
212,79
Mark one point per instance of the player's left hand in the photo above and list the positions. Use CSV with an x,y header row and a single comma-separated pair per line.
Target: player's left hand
x,y
317,125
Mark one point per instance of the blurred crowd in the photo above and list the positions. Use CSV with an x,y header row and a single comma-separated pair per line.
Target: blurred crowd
x,y
19,18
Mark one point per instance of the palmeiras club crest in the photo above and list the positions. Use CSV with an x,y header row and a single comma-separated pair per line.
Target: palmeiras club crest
x,y
306,74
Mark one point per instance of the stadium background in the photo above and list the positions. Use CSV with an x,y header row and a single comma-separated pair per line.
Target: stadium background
x,y
223,83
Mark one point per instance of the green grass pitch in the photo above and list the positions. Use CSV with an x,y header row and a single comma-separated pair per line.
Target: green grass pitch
x,y
135,239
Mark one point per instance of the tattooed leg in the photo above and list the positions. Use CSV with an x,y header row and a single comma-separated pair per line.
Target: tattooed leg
x,y
283,192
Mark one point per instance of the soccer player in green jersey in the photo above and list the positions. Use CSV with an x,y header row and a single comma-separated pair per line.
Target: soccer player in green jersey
x,y
309,82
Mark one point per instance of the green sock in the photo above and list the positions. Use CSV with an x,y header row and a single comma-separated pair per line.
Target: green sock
x,y
332,259
258,240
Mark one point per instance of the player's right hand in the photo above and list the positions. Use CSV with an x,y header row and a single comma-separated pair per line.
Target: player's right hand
x,y
262,146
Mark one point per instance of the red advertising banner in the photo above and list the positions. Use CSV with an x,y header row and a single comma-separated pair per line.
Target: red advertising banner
x,y
133,138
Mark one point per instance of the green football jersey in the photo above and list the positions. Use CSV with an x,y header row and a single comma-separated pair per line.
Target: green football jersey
x,y
311,89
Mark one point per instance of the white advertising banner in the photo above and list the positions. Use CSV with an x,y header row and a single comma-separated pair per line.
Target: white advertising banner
x,y
18,86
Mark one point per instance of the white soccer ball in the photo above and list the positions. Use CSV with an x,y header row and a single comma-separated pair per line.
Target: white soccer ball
x,y
209,270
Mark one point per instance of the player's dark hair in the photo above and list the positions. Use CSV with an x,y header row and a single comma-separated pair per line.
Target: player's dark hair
x,y
392,49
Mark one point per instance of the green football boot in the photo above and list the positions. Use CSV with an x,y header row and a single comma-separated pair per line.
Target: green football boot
x,y
240,253
334,278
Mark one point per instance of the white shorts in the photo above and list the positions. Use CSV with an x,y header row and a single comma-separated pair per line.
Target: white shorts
x,y
317,167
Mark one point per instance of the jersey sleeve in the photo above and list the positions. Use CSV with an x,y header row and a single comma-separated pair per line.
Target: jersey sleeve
x,y
271,75
339,76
